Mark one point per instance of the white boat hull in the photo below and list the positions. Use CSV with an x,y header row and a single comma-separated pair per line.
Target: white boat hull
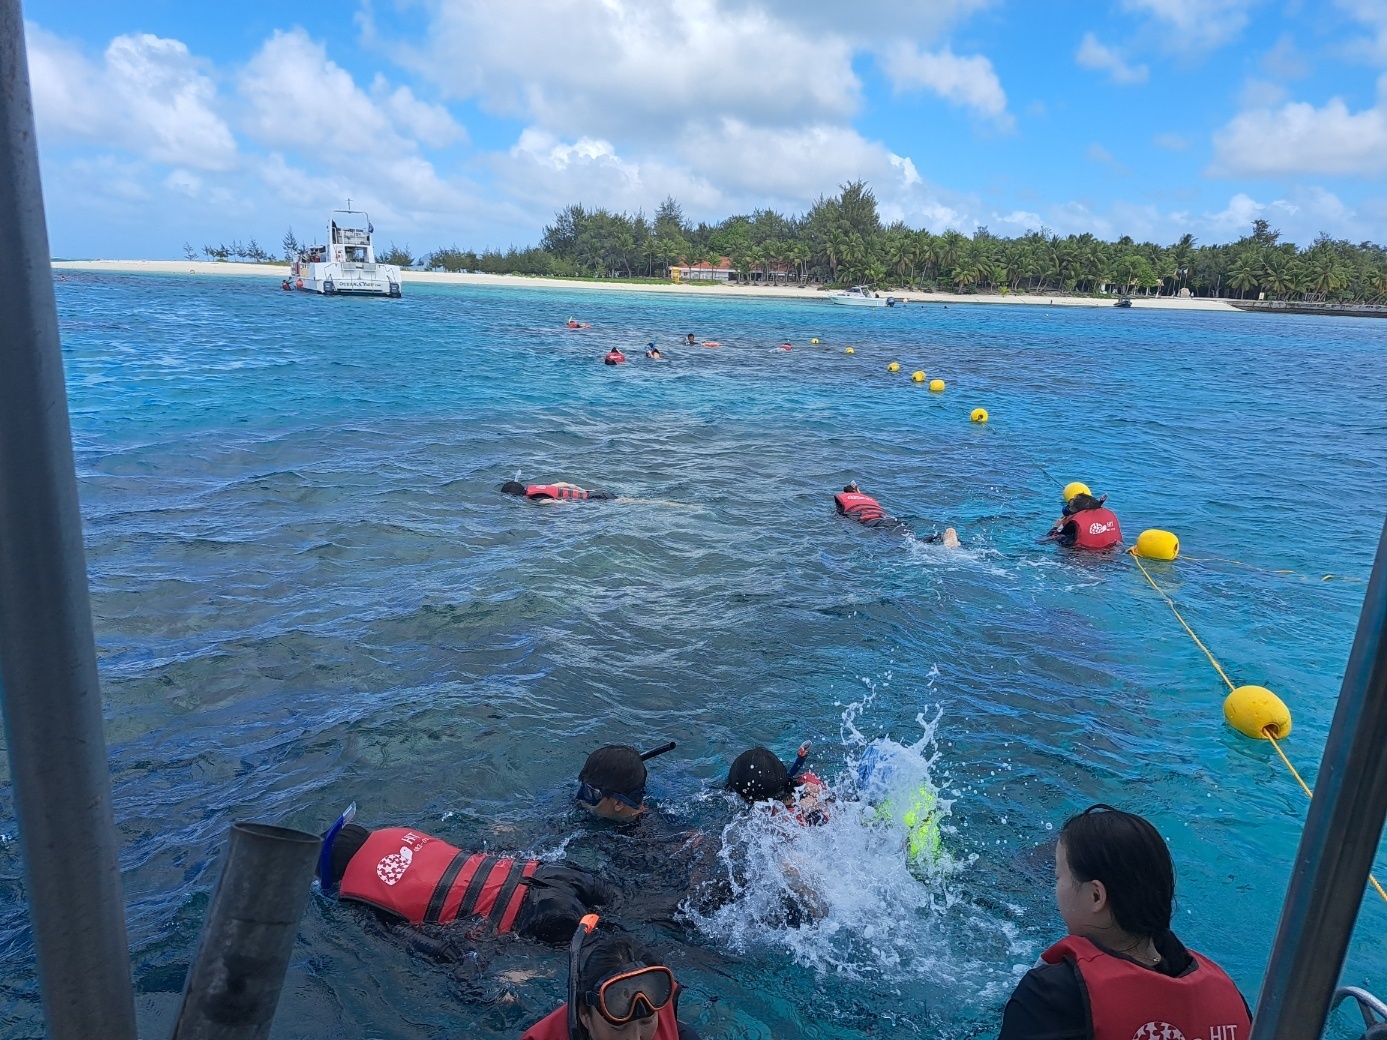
x,y
852,300
335,278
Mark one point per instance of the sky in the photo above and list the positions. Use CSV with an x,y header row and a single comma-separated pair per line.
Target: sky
x,y
470,122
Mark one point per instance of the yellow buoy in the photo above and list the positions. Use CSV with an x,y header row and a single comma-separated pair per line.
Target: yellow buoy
x,y
815,342
1076,487
979,415
893,367
849,351
919,377
1157,545
936,385
1256,712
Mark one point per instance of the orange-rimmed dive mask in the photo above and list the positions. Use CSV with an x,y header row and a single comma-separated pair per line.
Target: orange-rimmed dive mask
x,y
638,993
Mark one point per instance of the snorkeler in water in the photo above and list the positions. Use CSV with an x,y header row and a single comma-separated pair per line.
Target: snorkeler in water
x,y
867,511
758,775
611,783
559,492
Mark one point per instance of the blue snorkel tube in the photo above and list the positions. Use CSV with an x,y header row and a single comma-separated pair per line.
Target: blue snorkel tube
x,y
325,855
801,756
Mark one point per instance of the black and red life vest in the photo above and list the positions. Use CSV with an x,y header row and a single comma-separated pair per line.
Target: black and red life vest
x,y
810,796
1095,528
1129,1002
860,507
554,1026
554,491
427,881
614,357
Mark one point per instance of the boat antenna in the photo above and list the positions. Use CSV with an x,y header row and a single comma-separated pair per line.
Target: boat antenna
x,y
349,204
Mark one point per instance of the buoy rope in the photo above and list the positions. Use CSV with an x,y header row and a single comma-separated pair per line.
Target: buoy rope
x,y
1265,570
1224,676
1174,610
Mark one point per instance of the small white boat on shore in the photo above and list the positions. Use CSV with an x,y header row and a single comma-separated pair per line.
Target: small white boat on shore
x,y
862,296
346,266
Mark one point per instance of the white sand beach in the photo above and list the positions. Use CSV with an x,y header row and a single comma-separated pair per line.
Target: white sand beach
x,y
272,272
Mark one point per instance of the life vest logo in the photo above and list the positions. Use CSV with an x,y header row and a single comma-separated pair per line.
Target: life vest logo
x,y
1096,528
393,867
1158,1031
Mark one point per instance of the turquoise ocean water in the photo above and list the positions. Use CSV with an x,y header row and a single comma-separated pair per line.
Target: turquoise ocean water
x,y
308,591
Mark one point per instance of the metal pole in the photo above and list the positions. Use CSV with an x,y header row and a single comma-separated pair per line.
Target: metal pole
x,y
1342,831
48,683
234,984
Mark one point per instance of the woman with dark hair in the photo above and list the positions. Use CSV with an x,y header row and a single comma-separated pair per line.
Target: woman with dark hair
x,y
1120,974
620,991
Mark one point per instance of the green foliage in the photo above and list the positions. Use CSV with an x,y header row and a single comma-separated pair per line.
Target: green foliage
x,y
397,256
841,240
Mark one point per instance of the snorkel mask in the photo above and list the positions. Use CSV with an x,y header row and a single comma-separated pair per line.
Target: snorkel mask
x,y
635,991
591,796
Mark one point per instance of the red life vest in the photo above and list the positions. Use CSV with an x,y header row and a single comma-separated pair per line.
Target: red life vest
x,y
859,506
427,881
554,1026
810,795
1096,529
554,491
614,357
1129,1002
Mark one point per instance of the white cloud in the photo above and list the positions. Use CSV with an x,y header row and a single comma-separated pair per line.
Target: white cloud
x,y
1302,215
1284,61
1299,138
1196,25
1373,14
1094,55
430,124
970,81
147,95
1171,142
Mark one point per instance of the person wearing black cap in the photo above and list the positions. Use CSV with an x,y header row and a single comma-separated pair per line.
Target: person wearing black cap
x,y
611,783
758,775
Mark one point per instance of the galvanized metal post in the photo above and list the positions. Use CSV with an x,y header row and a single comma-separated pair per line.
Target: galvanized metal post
x,y
52,703
235,981
1341,836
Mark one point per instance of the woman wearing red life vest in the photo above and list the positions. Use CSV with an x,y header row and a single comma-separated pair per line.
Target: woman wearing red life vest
x,y
1086,524
555,492
617,990
1120,974
867,511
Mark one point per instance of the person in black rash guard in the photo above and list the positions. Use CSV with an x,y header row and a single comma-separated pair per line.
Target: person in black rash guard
x,y
555,492
1121,974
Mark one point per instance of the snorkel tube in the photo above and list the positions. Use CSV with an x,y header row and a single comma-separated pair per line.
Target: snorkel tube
x,y
575,948
646,756
325,855
801,756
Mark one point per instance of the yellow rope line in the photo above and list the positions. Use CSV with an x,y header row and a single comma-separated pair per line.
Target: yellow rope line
x,y
1224,676
1264,570
1197,642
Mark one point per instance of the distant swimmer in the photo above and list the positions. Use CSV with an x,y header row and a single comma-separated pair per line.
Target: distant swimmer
x,y
408,875
867,511
614,357
575,324
1086,522
555,492
784,346
653,352
689,340
617,990
712,344
611,783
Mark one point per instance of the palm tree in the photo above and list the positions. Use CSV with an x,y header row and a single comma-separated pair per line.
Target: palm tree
x,y
1245,273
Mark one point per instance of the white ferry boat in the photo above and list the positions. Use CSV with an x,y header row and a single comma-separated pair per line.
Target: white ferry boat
x,y
862,296
347,264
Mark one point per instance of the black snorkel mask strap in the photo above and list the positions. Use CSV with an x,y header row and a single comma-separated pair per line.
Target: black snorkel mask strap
x,y
325,854
646,756
575,950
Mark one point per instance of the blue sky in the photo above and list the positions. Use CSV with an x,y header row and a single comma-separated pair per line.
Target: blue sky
x,y
469,122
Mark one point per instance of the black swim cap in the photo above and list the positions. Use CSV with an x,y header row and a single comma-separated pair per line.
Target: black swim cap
x,y
850,487
614,769
759,774
1081,501
512,487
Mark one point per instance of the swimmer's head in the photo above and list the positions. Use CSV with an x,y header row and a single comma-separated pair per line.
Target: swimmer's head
x,y
758,774
611,783
512,487
851,487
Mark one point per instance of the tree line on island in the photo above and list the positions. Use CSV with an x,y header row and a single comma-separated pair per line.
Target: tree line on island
x,y
841,240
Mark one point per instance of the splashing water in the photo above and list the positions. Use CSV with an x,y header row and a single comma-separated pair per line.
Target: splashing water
x,y
844,898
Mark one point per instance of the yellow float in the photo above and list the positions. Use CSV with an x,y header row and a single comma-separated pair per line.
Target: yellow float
x,y
1156,544
893,367
1256,712
979,415
1076,487
849,351
919,377
936,385
815,342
